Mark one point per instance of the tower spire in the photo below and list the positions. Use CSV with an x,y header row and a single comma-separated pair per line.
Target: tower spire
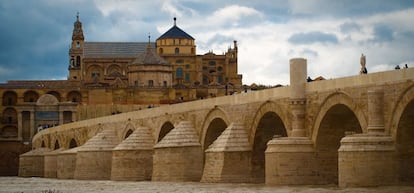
x,y
175,21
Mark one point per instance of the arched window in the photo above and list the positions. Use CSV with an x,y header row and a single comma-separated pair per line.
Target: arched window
x,y
177,50
179,73
212,63
161,51
78,61
74,96
30,96
73,143
9,98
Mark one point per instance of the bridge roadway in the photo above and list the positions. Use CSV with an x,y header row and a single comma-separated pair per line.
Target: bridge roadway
x,y
351,131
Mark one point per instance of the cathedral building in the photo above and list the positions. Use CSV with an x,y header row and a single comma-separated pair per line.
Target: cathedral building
x,y
112,77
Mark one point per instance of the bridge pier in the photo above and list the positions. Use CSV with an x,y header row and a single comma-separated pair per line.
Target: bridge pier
x,y
369,159
228,158
178,156
132,159
94,158
32,163
291,160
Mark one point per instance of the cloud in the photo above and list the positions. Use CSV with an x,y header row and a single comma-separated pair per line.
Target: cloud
x,y
313,37
348,27
383,33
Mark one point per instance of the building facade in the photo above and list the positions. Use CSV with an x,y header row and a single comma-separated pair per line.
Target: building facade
x,y
112,77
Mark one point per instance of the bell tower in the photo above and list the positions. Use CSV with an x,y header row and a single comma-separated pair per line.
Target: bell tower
x,y
76,51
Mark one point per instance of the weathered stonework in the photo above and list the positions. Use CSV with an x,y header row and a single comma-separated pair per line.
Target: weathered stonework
x,y
310,131
32,163
93,159
132,159
50,163
66,163
178,156
228,159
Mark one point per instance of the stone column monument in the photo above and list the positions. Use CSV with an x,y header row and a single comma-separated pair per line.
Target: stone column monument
x,y
369,159
286,156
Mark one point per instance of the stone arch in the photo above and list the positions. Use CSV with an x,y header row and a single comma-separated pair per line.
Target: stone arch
x,y
114,69
94,71
43,144
74,96
55,94
165,128
30,96
56,145
335,121
128,130
213,125
402,124
9,116
9,98
266,107
72,143
335,99
267,122
47,99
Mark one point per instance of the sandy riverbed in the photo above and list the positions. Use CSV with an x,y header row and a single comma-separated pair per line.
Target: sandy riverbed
x,y
38,185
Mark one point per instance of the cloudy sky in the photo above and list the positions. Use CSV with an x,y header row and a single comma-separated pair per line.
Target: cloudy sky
x,y
35,34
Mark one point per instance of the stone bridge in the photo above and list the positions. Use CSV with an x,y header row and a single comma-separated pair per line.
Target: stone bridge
x,y
352,131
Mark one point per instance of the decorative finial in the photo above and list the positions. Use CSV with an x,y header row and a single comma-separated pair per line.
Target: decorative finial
x,y
175,21
77,15
149,38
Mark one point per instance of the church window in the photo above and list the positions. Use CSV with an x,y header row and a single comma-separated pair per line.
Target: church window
x,y
77,45
150,83
161,51
177,50
212,63
187,77
179,73
78,61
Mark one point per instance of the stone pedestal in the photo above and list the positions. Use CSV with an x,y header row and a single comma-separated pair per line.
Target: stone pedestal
x,y
228,159
367,160
291,161
66,163
31,164
50,161
178,156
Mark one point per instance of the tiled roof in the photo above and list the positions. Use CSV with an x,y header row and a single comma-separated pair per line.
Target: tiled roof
x,y
114,49
175,32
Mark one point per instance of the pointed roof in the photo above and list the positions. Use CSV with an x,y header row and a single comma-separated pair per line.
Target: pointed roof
x,y
184,135
175,32
140,139
234,138
103,141
77,29
149,57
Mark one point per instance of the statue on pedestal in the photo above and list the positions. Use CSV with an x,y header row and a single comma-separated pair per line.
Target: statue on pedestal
x,y
363,62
